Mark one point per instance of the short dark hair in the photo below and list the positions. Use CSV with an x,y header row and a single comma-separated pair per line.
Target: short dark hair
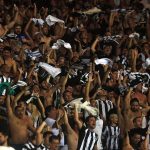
x,y
47,133
4,128
17,108
7,48
88,118
54,137
21,100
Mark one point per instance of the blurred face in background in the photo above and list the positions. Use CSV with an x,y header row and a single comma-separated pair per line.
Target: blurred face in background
x,y
138,122
135,139
54,145
3,139
114,119
18,29
135,106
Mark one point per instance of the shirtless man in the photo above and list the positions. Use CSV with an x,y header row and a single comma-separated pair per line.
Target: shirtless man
x,y
133,109
5,28
72,137
139,95
19,125
7,59
47,92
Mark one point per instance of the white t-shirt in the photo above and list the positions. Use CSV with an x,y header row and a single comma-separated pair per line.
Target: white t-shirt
x,y
98,130
6,148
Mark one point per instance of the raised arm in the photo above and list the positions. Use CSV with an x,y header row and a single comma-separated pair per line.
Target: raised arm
x,y
111,19
87,87
9,108
69,130
40,105
126,143
77,120
63,84
26,29
134,55
121,119
127,100
39,135
18,96
93,47
12,23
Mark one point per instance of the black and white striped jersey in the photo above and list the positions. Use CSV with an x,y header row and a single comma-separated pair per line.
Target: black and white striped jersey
x,y
30,146
104,106
87,139
5,79
111,137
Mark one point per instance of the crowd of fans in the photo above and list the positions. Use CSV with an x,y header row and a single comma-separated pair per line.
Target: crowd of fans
x,y
75,74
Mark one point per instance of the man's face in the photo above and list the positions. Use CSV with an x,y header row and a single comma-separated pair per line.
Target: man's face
x,y
18,29
3,139
135,106
114,118
54,145
6,53
22,105
45,85
20,112
68,96
138,123
102,92
91,123
136,138
107,50
5,70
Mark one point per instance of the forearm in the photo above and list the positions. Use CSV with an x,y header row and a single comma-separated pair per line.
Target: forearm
x,y
76,115
127,99
41,127
41,107
26,29
93,47
9,109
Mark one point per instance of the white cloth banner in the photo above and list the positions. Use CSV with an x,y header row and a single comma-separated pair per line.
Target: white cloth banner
x,y
104,61
38,21
51,20
53,71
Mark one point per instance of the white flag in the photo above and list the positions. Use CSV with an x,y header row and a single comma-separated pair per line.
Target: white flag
x,y
51,20
104,61
53,71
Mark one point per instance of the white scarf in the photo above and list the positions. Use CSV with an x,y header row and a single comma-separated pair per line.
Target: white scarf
x,y
53,71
